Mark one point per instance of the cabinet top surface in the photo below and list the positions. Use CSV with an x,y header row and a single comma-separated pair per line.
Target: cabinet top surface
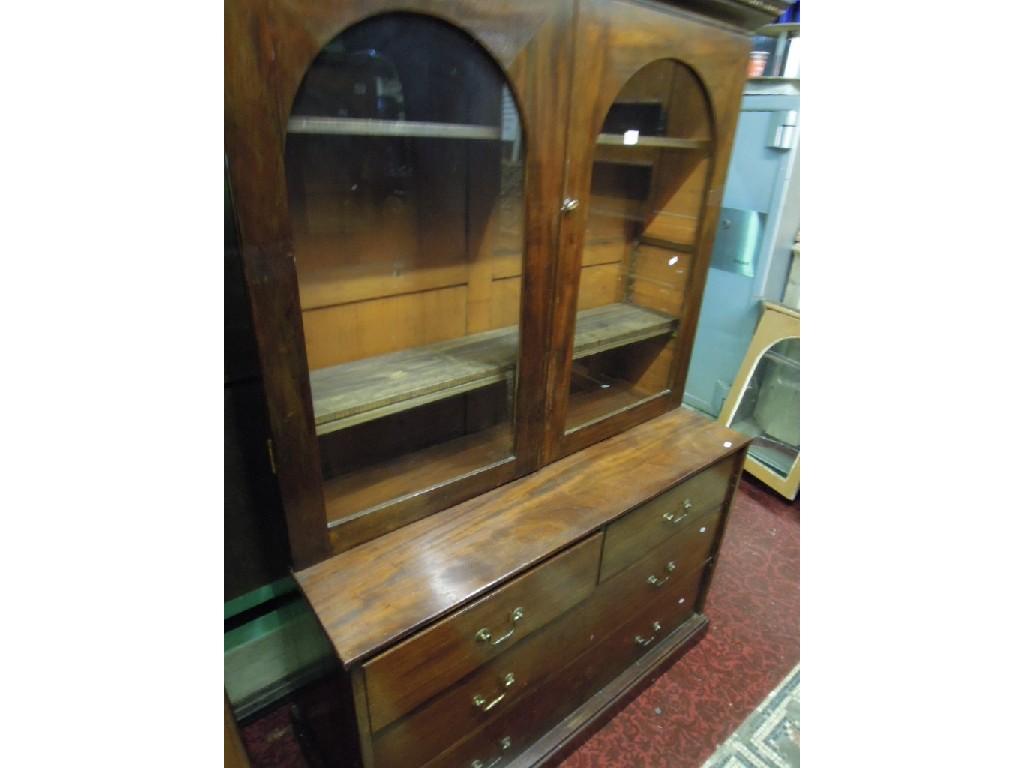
x,y
376,594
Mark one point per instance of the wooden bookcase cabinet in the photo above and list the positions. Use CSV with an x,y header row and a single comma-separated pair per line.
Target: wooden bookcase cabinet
x,y
556,325
475,236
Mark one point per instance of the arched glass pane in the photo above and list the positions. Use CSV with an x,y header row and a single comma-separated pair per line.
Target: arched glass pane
x,y
404,161
769,410
646,194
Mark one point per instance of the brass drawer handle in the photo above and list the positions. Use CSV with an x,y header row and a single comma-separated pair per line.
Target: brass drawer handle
x,y
656,582
481,703
677,519
484,635
505,744
643,642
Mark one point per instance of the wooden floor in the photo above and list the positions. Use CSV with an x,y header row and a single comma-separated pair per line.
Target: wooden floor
x,y
360,391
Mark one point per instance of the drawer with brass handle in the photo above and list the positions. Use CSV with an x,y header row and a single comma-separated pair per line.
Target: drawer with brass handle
x,y
634,535
429,662
504,746
579,678
653,579
664,614
642,641
462,709
488,692
484,635
480,701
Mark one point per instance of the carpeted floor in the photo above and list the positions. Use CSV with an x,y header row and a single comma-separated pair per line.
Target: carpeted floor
x,y
770,736
752,644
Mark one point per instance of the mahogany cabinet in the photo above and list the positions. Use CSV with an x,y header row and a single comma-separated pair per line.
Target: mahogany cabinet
x,y
475,236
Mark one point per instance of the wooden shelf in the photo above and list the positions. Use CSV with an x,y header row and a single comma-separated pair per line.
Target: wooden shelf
x,y
365,490
616,325
595,404
775,30
349,126
669,244
660,142
773,79
364,390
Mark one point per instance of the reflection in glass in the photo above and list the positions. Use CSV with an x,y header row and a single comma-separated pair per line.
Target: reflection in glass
x,y
404,162
646,194
769,410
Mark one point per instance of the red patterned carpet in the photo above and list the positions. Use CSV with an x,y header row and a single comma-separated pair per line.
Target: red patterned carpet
x,y
752,643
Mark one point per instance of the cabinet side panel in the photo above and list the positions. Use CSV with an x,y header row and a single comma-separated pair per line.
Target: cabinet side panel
x,y
257,180
716,546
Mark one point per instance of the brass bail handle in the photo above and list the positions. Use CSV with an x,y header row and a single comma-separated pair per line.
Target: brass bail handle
x,y
481,703
676,519
484,635
655,581
505,744
643,642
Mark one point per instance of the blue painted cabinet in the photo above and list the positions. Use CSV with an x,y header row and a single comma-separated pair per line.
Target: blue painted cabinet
x,y
759,219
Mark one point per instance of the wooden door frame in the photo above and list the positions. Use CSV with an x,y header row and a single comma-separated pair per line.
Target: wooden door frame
x,y
268,48
615,39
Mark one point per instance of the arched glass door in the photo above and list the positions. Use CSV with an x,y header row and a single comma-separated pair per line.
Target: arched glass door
x,y
647,185
404,162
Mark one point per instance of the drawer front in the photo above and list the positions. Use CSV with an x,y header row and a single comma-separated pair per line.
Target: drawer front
x,y
669,563
655,622
555,698
631,537
418,668
487,693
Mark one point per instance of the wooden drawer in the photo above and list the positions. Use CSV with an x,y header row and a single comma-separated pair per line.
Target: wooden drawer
x,y
651,625
632,536
555,698
666,565
440,722
418,668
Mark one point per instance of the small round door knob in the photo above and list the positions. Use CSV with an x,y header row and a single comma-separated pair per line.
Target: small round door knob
x,y
570,204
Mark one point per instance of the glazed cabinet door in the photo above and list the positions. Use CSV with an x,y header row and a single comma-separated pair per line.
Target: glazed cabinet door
x,y
655,98
397,167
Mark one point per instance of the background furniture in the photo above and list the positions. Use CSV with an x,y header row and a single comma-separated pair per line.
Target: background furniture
x,y
759,218
475,238
765,402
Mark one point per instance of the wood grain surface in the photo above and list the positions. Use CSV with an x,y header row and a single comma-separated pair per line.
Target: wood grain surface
x,y
352,393
553,699
633,535
538,657
375,594
427,663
